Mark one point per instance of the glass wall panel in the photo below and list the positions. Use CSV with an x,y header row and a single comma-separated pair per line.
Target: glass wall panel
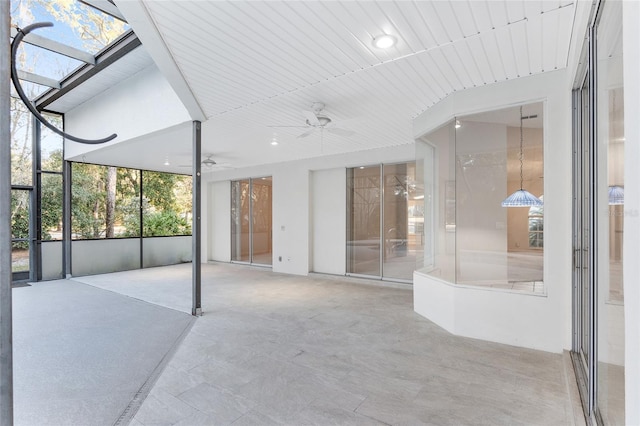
x,y
468,167
240,219
435,159
364,196
385,221
610,192
261,235
584,229
403,220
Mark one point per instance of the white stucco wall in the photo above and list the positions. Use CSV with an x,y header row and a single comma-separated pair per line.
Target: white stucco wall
x,y
216,212
540,322
329,225
124,109
294,208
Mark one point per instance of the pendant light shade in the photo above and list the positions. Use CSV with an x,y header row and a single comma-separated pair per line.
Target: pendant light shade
x,y
616,195
522,197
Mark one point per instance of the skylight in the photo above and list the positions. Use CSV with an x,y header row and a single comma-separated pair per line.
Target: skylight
x,y
75,24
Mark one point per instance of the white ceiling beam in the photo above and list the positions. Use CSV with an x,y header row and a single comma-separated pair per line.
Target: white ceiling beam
x,y
105,6
140,20
57,47
38,79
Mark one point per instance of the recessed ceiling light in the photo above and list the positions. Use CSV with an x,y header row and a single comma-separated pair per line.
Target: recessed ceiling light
x,y
361,167
458,125
274,142
384,41
166,162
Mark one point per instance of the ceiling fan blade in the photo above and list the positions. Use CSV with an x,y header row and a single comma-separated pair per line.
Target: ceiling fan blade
x,y
300,127
311,117
341,132
307,133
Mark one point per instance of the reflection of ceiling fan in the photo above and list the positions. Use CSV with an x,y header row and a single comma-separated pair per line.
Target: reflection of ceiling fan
x,y
317,119
210,164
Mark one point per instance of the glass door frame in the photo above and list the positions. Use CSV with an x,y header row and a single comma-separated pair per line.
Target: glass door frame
x,y
585,209
382,234
251,222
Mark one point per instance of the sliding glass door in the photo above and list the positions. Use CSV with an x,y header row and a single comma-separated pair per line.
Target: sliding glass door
x,y
384,221
251,221
599,345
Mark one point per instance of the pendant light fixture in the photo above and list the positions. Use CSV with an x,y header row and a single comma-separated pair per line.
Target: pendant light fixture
x,y
616,195
522,197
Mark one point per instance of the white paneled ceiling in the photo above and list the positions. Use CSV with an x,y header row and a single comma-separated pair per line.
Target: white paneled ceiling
x,y
253,66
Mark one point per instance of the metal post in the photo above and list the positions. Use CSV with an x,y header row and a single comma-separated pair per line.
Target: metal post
x,y
6,320
141,219
196,238
35,212
66,219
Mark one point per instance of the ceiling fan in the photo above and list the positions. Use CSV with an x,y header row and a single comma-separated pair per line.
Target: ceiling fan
x,y
210,164
316,119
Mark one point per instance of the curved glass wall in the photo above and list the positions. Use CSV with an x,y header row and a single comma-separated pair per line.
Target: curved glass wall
x,y
468,167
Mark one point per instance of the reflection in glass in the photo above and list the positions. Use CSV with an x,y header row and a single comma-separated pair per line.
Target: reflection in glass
x,y
363,221
610,391
261,244
403,220
435,158
240,215
385,221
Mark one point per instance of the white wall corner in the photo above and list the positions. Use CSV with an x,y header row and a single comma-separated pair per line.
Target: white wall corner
x,y
123,109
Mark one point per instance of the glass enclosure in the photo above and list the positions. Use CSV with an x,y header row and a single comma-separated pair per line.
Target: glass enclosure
x,y
385,221
599,215
610,198
468,167
251,221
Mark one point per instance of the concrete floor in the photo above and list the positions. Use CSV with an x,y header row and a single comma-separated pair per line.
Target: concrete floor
x,y
82,355
318,350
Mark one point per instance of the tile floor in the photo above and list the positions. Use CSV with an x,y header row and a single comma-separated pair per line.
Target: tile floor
x,y
276,349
